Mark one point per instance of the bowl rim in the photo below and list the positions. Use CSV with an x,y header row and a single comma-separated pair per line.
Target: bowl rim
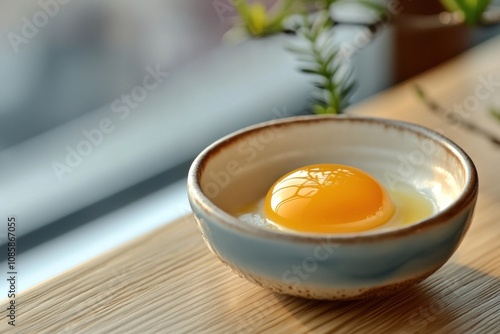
x,y
467,197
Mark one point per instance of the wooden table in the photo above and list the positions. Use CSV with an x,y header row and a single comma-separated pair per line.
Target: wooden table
x,y
168,281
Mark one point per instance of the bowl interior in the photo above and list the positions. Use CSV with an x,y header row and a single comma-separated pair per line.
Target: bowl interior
x,y
240,168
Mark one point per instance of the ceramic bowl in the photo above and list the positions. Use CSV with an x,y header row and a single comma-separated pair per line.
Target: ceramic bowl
x,y
240,168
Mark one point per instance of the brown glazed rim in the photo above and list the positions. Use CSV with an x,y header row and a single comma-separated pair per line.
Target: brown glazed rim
x,y
462,203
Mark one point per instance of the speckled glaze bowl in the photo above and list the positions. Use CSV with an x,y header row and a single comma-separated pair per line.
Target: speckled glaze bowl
x,y
241,167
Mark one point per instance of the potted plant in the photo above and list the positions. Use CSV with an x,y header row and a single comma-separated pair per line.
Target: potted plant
x,y
313,20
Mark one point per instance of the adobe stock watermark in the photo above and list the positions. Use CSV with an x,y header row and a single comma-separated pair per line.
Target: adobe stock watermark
x,y
422,316
128,102
300,272
363,37
225,9
483,91
408,163
94,137
30,27
248,150
295,276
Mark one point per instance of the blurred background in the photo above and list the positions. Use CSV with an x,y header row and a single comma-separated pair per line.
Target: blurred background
x,y
104,105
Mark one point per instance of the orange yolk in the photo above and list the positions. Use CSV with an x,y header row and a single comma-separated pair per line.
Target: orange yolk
x,y
328,198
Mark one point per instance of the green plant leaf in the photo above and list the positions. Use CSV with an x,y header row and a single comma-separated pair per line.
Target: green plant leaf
x,y
310,71
451,5
472,10
495,112
260,21
334,84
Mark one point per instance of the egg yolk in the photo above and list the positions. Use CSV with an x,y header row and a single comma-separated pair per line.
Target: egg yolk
x,y
328,198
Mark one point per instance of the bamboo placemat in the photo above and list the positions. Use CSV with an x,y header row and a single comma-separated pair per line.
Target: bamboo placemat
x,y
169,282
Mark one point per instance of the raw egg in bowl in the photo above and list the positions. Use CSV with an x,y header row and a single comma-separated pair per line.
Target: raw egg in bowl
x,y
333,207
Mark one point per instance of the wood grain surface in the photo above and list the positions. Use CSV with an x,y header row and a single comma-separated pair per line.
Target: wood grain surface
x,y
169,282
